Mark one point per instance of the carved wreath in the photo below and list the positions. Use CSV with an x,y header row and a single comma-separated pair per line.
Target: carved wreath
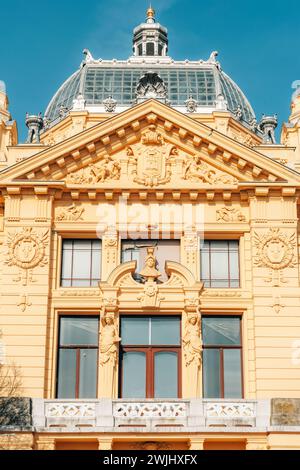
x,y
275,249
27,249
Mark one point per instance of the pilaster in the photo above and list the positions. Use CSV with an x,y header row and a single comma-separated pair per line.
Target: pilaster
x,y
25,282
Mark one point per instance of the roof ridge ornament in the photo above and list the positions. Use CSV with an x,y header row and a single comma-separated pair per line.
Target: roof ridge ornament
x,y
89,59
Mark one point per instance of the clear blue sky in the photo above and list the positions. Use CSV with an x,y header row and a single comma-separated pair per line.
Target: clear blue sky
x,y
41,44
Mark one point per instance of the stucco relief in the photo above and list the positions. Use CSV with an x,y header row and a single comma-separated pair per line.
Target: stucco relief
x,y
69,214
198,171
276,251
151,159
24,303
109,350
230,214
27,250
152,445
192,350
192,345
105,169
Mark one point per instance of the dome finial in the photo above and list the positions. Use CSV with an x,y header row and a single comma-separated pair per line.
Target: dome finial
x,y
150,14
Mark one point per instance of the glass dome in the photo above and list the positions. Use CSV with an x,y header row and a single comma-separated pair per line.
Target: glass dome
x,y
202,81
96,82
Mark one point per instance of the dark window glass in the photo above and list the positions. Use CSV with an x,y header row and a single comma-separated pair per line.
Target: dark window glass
x,y
150,48
222,357
77,357
150,357
136,250
220,263
81,263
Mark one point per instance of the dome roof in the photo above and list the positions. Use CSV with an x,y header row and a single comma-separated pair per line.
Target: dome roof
x,y
201,82
205,82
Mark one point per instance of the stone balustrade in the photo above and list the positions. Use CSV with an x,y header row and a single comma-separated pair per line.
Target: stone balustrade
x,y
106,414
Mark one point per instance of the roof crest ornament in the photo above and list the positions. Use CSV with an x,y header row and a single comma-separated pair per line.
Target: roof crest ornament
x,y
89,59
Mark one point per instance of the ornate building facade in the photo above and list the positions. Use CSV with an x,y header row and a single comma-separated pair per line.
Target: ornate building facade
x,y
149,263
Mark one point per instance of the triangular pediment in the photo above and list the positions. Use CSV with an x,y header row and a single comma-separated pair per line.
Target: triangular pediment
x,y
150,145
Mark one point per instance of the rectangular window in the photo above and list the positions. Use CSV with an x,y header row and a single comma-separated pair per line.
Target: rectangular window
x,y
81,263
222,357
150,357
77,357
136,250
220,263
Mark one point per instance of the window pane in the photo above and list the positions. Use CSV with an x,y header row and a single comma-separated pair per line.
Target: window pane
x,y
66,374
211,373
66,270
81,283
81,264
166,375
134,375
88,373
204,265
219,265
232,373
82,244
219,245
135,331
234,268
165,331
79,331
221,331
96,264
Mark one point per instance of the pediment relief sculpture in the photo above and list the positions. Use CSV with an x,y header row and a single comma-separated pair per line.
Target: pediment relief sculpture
x,y
105,169
198,171
151,159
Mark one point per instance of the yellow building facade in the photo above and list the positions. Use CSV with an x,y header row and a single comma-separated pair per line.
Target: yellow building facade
x,y
150,262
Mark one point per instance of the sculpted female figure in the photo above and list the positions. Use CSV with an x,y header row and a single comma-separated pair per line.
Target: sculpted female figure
x,y
109,339
192,347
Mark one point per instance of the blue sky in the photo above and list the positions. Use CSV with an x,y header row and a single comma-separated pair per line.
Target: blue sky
x,y
41,44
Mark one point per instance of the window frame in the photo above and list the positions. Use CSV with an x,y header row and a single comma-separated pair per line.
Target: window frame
x,y
150,351
78,348
221,358
72,279
210,280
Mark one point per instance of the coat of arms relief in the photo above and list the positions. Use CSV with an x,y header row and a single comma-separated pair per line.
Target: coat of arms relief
x,y
151,162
